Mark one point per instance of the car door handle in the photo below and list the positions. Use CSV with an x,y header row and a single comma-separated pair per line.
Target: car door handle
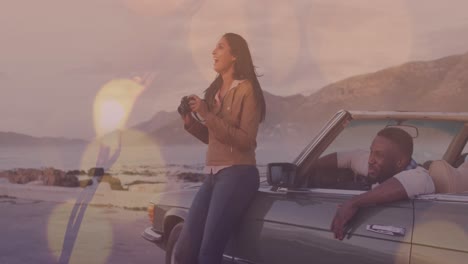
x,y
387,230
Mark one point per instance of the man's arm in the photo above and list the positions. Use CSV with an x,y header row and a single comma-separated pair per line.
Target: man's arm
x,y
327,161
389,191
356,160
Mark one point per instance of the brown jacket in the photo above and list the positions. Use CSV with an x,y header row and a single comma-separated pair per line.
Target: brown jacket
x,y
230,128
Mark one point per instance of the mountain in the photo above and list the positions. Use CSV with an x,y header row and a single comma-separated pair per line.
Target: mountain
x,y
274,126
438,85
16,139
159,120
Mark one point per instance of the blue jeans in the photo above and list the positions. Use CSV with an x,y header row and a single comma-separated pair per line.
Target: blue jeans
x,y
216,211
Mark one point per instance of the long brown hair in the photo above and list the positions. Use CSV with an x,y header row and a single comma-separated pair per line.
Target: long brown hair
x,y
243,69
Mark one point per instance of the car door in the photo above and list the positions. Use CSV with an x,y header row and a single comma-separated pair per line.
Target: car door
x,y
441,229
294,227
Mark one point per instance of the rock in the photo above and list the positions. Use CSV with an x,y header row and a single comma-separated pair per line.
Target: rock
x,y
55,177
52,177
76,172
85,183
104,187
191,176
48,176
35,183
96,172
114,183
70,181
22,176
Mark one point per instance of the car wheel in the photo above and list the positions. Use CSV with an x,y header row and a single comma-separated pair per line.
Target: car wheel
x,y
172,241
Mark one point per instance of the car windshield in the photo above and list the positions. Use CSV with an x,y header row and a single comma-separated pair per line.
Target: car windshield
x,y
465,150
431,138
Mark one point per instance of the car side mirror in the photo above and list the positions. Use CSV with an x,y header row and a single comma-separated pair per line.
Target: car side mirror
x,y
281,174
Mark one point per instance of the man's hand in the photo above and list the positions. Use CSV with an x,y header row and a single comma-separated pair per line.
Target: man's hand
x,y
198,105
390,190
344,214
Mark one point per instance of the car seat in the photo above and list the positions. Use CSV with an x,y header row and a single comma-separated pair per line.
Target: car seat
x,y
460,160
448,179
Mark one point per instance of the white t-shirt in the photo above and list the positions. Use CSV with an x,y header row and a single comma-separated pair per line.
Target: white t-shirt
x,y
415,181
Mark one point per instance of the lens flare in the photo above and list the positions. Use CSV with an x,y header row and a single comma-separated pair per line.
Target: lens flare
x,y
112,115
77,232
135,149
450,233
92,242
91,155
113,105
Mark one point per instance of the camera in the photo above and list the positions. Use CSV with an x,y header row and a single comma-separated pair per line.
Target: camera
x,y
184,107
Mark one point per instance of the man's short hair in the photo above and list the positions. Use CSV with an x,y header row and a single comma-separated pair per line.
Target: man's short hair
x,y
400,137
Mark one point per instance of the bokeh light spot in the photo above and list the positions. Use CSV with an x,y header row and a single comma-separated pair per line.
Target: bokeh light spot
x,y
113,105
93,242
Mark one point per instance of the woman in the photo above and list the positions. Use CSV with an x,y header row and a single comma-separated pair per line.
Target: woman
x,y
232,110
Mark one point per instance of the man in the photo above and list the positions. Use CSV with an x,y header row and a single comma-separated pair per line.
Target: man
x,y
389,165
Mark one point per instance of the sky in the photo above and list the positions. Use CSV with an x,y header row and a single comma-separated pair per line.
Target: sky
x,y
57,56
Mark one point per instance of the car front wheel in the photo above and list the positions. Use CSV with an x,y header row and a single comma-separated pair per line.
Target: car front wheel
x,y
172,241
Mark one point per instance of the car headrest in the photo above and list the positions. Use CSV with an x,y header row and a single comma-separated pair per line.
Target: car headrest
x,y
464,165
448,179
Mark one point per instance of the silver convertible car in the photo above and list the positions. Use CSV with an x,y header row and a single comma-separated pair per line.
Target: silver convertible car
x,y
289,220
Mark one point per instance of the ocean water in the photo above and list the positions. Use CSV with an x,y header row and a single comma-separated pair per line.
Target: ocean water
x,y
78,156
145,164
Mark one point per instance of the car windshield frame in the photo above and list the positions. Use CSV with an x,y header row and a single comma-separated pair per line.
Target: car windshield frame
x,y
340,120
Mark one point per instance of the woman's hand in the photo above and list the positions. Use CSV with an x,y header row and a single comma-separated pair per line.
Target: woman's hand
x,y
188,119
198,105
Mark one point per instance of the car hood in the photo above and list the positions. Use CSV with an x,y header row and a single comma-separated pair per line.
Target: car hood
x,y
178,198
183,197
